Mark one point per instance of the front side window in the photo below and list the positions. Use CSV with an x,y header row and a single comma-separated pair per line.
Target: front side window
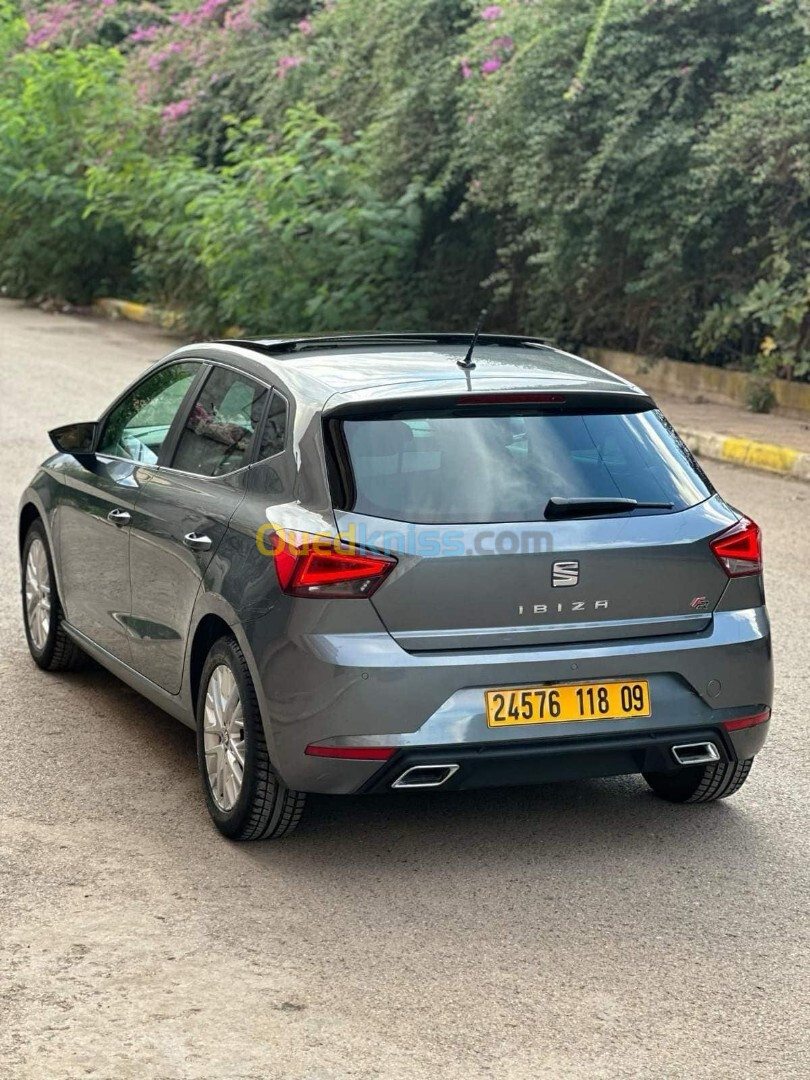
x,y
219,431
138,425
505,467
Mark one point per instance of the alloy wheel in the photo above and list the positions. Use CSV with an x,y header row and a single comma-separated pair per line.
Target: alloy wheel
x,y
38,594
224,738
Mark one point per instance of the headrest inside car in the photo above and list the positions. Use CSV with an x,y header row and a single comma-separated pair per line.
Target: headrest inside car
x,y
378,438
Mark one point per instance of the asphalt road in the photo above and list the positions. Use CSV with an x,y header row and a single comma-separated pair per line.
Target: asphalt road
x,y
577,930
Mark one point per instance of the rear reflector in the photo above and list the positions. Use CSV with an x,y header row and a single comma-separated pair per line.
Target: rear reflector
x,y
356,753
320,567
747,721
739,550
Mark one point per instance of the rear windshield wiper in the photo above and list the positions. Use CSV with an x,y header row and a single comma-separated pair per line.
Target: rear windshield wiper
x,y
570,508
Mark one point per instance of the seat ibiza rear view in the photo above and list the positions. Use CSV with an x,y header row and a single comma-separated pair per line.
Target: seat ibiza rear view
x,y
375,563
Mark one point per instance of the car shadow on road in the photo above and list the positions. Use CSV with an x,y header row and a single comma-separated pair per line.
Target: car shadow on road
x,y
596,823
599,820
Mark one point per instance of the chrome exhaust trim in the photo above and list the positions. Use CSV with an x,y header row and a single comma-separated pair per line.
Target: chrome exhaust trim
x,y
425,776
699,753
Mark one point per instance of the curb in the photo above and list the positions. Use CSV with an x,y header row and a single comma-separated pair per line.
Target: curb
x,y
169,319
141,313
766,457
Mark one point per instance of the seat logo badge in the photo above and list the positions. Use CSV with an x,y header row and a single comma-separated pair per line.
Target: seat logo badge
x,y
700,603
564,574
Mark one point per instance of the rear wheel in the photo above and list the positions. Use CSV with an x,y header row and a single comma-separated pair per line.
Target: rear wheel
x,y
48,643
245,796
701,783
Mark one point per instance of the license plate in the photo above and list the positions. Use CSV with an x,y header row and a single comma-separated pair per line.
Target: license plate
x,y
564,703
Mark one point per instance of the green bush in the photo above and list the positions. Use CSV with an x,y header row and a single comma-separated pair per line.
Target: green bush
x,y
659,183
59,113
273,241
617,172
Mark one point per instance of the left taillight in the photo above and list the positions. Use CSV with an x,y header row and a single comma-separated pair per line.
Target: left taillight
x,y
739,549
317,567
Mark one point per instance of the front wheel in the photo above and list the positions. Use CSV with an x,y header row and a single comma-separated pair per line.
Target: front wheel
x,y
49,645
700,783
245,796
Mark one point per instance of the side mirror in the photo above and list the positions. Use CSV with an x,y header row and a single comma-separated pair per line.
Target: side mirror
x,y
76,439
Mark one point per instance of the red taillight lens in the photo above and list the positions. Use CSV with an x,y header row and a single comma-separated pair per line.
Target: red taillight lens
x,y
318,566
747,721
739,550
354,753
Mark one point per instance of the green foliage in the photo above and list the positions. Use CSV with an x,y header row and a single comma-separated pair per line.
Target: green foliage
x,y
621,172
293,237
59,112
299,237
759,397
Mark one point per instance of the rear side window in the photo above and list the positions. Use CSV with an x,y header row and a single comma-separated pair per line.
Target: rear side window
x,y
274,432
440,469
219,429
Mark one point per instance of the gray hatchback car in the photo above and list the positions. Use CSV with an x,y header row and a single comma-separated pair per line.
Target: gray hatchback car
x,y
381,562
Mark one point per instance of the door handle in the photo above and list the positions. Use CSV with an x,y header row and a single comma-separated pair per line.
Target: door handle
x,y
119,517
197,543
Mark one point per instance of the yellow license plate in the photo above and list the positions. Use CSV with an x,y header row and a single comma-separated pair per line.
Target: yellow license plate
x,y
564,703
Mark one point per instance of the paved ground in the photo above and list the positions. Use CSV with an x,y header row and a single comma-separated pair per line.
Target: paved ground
x,y
701,415
579,930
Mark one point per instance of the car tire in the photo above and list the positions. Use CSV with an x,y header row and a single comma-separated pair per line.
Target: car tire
x,y
49,645
701,783
230,739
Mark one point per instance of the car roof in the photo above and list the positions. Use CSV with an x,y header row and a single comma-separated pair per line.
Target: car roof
x,y
368,367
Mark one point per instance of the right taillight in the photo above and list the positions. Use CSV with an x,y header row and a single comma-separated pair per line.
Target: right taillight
x,y
739,549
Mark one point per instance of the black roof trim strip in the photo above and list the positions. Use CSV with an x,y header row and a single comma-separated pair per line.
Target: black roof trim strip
x,y
273,347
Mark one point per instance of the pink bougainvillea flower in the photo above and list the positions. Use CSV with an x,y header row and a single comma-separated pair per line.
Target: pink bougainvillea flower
x,y
49,24
176,109
145,33
209,8
490,66
504,43
466,70
305,26
287,63
492,12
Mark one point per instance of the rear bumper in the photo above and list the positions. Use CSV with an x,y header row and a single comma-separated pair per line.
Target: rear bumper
x,y
539,762
363,689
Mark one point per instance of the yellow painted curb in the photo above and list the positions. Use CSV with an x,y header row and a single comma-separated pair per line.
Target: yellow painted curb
x,y
749,453
759,455
144,313
141,313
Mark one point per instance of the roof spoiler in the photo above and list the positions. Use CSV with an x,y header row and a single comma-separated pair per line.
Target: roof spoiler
x,y
457,402
273,346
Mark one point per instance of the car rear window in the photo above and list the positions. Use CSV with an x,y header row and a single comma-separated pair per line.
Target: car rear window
x,y
450,469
